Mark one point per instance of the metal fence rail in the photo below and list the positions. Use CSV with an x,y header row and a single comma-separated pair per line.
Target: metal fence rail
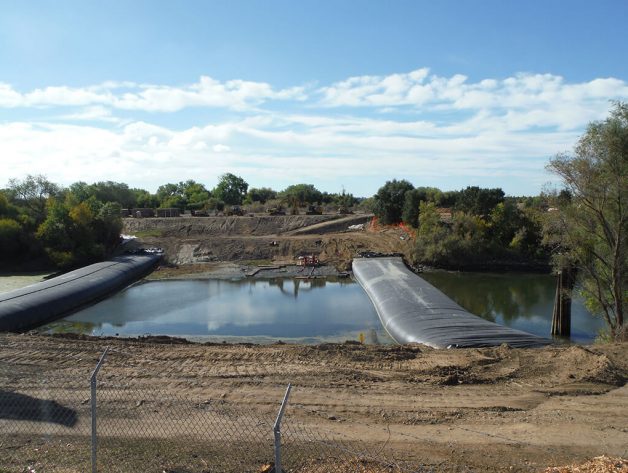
x,y
60,419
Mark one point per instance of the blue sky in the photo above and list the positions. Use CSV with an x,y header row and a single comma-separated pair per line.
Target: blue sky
x,y
334,93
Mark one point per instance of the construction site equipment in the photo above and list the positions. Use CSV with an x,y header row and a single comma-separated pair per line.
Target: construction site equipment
x,y
308,260
314,210
276,211
235,210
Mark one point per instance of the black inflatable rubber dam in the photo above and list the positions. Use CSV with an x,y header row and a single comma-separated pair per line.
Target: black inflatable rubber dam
x,y
32,306
413,311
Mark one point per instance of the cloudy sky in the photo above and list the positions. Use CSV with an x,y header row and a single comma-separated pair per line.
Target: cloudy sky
x,y
334,93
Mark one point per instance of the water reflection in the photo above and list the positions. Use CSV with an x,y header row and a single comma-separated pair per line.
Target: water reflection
x,y
523,301
311,311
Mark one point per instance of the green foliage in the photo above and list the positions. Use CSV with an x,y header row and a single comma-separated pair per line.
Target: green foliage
x,y
508,235
75,234
110,191
184,195
343,200
7,209
479,201
32,193
11,236
261,194
410,214
231,189
390,199
215,204
299,195
367,205
144,199
590,229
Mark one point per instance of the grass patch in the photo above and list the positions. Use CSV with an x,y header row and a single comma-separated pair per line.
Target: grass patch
x,y
154,232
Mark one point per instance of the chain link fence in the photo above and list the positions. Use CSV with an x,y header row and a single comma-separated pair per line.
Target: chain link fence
x,y
65,419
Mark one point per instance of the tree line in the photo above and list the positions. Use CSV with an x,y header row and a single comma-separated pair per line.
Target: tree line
x,y
471,228
582,227
192,195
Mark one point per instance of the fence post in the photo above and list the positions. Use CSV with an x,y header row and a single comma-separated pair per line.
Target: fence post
x,y
277,430
93,404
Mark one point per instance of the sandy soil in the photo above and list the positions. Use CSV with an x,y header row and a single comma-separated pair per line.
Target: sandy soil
x,y
481,410
275,240
493,409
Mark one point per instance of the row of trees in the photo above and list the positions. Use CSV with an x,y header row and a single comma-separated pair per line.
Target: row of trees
x,y
467,228
40,220
581,229
584,226
192,195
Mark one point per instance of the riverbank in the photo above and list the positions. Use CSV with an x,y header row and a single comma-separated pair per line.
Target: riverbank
x,y
245,269
489,410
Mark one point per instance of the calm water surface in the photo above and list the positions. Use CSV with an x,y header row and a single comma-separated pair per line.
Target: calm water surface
x,y
257,311
312,311
522,301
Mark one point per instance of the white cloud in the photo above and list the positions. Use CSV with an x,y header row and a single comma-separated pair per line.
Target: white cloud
x,y
92,113
207,92
220,148
520,92
435,127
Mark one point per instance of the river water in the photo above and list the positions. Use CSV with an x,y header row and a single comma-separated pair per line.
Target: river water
x,y
520,300
312,311
259,311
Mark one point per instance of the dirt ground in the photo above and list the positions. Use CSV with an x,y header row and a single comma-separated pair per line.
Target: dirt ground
x,y
481,410
269,239
490,409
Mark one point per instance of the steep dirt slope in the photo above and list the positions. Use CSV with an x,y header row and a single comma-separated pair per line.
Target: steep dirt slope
x,y
279,239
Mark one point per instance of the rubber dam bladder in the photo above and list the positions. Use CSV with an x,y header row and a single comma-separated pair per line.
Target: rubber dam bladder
x,y
32,306
413,311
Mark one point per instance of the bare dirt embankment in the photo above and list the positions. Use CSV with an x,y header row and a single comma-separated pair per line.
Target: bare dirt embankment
x,y
481,410
277,239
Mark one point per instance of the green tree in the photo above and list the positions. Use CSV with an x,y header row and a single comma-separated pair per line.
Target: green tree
x,y
410,213
231,189
298,195
431,235
109,191
261,194
195,194
171,196
33,192
144,199
591,226
479,201
390,200
11,235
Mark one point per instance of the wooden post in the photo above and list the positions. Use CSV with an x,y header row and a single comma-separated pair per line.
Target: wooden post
x,y
561,316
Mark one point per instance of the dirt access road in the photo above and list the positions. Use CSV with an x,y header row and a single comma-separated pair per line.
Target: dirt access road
x,y
483,410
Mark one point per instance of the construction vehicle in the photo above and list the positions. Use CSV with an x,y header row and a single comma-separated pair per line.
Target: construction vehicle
x,y
235,210
314,210
276,211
